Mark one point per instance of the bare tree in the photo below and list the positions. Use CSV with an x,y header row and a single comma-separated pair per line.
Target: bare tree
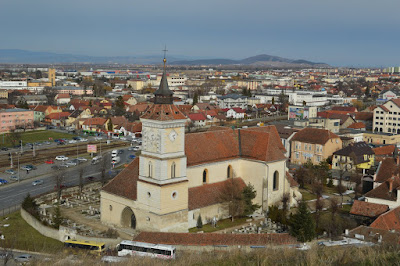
x,y
232,197
104,164
81,172
356,178
59,180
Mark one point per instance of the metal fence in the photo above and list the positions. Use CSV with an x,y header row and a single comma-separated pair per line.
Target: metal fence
x,y
11,209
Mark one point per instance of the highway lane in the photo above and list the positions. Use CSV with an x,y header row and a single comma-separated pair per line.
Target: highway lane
x,y
13,194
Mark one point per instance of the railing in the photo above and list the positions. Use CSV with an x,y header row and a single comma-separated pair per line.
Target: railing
x,y
8,210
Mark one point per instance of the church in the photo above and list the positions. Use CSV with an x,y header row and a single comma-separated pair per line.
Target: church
x,y
179,176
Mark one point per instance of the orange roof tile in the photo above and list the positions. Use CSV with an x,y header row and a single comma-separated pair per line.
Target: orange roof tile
x,y
388,221
368,209
163,112
314,135
357,125
384,150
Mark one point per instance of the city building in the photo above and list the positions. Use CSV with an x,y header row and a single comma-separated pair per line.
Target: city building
x,y
11,119
232,100
314,145
355,156
302,112
387,117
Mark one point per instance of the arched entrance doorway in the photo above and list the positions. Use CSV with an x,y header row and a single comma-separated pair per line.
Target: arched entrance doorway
x,y
128,218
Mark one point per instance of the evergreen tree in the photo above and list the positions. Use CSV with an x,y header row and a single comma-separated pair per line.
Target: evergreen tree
x,y
249,194
195,98
273,100
199,222
57,217
302,224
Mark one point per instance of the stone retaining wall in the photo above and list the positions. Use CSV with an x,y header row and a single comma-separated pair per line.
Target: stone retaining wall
x,y
64,233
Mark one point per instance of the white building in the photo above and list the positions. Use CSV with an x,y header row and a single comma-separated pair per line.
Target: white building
x,y
387,117
232,101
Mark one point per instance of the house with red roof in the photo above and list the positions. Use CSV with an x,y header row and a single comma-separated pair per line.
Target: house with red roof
x,y
97,124
57,119
234,113
198,119
62,98
180,177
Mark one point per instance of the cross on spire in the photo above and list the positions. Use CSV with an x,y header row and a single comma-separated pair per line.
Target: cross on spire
x,y
165,54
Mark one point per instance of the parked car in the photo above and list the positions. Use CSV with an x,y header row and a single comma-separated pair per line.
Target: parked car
x,y
32,167
37,182
47,143
55,167
14,178
72,163
64,165
82,159
120,151
49,161
10,171
136,148
82,140
3,181
132,156
24,258
62,158
98,138
4,149
72,141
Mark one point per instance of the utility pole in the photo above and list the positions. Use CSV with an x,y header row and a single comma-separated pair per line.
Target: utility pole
x,y
18,168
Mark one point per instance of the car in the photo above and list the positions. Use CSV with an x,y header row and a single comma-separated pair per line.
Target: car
x,y
24,258
98,138
83,140
14,178
10,171
49,161
4,149
136,148
72,141
123,138
131,148
132,156
32,167
114,153
82,159
61,143
37,143
72,163
63,165
47,143
3,181
26,168
37,182
120,151
62,158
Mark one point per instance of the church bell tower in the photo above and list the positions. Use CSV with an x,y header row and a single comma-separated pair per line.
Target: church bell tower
x,y
163,185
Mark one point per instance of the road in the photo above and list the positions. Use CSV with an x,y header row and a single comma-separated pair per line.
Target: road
x,y
13,194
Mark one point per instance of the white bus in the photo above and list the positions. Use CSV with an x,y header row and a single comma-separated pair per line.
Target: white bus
x,y
133,248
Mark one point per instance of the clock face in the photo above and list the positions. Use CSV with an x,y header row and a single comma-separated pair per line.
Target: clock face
x,y
173,135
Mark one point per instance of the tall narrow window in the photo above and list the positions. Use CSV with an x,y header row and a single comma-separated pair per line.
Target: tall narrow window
x,y
275,184
150,169
173,170
229,172
205,176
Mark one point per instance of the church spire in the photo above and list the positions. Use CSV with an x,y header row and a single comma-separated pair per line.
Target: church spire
x,y
163,95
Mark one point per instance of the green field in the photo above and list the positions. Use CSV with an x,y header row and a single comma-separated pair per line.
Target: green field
x,y
20,235
35,136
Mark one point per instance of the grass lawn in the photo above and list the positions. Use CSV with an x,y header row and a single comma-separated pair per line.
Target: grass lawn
x,y
307,195
222,224
36,136
20,235
346,208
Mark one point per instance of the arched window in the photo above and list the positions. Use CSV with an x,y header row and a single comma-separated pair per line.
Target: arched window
x,y
376,129
389,130
229,172
275,184
205,176
173,170
150,169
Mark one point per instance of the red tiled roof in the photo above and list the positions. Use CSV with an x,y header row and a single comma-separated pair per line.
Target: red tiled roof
x,y
41,108
163,112
259,143
63,96
368,209
140,107
185,108
292,182
197,117
364,116
350,109
119,120
95,121
57,115
383,190
210,194
396,102
314,135
385,170
388,221
211,239
357,125
125,183
384,150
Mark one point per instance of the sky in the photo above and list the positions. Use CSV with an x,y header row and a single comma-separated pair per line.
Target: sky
x,y
358,33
